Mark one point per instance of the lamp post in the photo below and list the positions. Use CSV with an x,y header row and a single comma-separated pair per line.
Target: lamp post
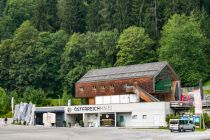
x,y
59,100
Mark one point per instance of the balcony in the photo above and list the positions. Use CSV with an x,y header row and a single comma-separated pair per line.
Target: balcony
x,y
187,104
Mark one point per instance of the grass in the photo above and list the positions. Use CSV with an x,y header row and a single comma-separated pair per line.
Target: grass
x,y
200,130
206,84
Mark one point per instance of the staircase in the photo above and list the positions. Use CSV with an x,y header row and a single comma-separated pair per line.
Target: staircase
x,y
142,94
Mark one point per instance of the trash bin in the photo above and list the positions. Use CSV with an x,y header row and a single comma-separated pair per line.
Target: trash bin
x,y
69,124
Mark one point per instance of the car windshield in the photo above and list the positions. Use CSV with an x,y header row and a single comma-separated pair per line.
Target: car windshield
x,y
174,122
183,121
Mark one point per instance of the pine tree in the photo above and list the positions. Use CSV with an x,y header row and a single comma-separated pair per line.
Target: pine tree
x,y
3,4
72,15
93,18
122,15
137,12
52,17
107,12
40,16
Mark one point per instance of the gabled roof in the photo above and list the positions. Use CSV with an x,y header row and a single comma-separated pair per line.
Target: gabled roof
x,y
124,72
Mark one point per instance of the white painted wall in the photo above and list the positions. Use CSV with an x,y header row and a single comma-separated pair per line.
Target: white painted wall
x,y
133,113
116,99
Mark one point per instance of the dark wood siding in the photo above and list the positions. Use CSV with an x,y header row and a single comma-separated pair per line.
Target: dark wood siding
x,y
112,87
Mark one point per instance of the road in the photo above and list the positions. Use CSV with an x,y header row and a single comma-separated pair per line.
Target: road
x,y
15,132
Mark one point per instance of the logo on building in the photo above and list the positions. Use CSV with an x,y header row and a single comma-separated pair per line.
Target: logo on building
x,y
69,109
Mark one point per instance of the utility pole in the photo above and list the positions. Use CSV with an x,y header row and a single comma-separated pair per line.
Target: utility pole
x,y
12,105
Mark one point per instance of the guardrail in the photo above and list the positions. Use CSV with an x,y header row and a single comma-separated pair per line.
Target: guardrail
x,y
187,104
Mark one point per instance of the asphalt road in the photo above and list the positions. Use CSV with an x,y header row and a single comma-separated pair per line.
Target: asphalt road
x,y
13,132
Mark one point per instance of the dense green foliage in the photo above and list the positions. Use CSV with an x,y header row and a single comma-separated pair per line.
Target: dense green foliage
x,y
47,45
135,47
182,41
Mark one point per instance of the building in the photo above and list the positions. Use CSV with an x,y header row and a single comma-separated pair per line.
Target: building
x,y
154,81
57,110
128,96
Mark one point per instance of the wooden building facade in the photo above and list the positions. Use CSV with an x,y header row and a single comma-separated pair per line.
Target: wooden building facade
x,y
157,79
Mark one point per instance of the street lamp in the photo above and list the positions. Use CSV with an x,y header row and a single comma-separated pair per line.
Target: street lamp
x,y
59,100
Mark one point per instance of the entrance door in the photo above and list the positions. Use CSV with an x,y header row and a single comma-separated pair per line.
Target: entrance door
x,y
107,120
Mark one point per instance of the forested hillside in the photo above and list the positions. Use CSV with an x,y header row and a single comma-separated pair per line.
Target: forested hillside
x,y
47,45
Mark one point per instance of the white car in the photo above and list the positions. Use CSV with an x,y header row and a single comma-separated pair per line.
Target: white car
x,y
181,125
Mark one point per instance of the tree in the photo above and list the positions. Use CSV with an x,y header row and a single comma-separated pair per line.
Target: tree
x,y
7,27
3,4
47,61
40,16
52,16
182,41
81,52
123,14
107,12
14,14
65,96
22,71
93,17
4,101
36,96
137,7
135,47
5,52
72,15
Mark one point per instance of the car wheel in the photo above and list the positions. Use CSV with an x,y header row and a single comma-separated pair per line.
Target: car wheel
x,y
193,129
182,130
171,130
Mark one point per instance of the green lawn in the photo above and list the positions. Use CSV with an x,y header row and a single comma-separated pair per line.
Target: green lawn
x,y
206,84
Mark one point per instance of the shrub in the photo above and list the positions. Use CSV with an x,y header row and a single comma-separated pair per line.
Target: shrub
x,y
81,123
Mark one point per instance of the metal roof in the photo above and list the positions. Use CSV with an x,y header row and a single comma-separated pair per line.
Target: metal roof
x,y
50,109
122,72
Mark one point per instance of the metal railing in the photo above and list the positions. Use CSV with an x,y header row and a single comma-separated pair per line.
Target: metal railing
x,y
181,104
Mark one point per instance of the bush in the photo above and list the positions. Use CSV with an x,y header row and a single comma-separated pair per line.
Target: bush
x,y
81,123
206,120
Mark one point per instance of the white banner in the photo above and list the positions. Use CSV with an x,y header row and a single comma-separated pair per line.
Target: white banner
x,y
197,101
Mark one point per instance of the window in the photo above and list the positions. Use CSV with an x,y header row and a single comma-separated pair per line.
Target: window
x,y
81,89
182,122
134,117
102,87
94,88
144,116
112,86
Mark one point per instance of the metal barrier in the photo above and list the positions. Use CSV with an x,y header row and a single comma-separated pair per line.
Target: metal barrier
x,y
181,104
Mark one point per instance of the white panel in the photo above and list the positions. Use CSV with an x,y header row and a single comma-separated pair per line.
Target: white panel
x,y
115,99
124,98
107,99
99,100
134,98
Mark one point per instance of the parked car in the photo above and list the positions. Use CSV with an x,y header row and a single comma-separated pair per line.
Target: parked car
x,y
181,125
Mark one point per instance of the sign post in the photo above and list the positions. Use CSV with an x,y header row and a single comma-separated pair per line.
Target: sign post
x,y
198,106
